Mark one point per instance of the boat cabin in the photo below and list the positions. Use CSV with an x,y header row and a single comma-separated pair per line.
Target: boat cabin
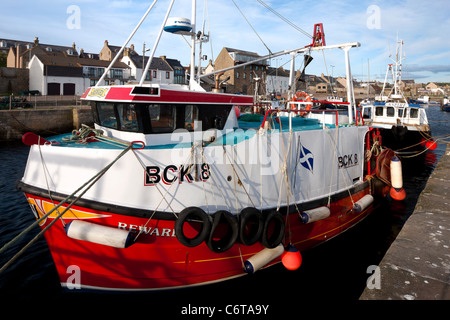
x,y
392,113
135,112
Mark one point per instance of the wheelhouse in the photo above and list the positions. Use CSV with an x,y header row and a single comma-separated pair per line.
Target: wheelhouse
x,y
156,118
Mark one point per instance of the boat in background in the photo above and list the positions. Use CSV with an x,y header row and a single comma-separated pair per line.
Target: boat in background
x,y
404,126
424,101
171,189
445,104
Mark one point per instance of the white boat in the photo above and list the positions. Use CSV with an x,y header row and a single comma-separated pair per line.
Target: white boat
x,y
404,126
171,189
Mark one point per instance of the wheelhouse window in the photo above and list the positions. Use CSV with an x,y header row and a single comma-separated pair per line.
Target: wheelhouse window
x,y
190,117
413,113
390,111
379,111
107,115
127,116
160,118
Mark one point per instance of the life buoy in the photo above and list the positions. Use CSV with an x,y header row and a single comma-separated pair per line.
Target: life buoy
x,y
250,226
303,96
273,230
221,240
189,215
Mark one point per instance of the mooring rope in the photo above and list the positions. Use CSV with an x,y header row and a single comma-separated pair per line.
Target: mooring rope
x,y
89,184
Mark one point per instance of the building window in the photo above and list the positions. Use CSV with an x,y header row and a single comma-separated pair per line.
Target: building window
x,y
154,74
167,75
237,75
116,73
243,75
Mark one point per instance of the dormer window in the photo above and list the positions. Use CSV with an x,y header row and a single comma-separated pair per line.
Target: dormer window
x,y
48,49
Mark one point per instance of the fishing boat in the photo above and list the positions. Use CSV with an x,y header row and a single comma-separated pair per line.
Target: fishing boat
x,y
171,189
404,125
425,101
445,105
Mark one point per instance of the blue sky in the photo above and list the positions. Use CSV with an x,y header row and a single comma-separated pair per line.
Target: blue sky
x,y
422,25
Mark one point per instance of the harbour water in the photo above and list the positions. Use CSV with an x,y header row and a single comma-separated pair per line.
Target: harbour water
x,y
337,270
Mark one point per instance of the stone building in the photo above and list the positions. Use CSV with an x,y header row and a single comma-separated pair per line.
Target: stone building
x,y
242,80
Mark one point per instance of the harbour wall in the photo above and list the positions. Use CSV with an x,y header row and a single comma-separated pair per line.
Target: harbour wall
x,y
417,265
45,122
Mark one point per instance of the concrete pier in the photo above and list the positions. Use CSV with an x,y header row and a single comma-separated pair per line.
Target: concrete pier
x,y
417,265
42,121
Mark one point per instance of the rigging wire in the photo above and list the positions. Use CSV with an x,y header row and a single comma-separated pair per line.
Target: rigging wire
x,y
270,52
285,19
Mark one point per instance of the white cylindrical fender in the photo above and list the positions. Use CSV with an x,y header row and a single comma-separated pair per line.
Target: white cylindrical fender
x,y
396,173
363,203
262,258
108,236
315,214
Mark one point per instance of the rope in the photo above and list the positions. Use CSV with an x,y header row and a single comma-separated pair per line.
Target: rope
x,y
285,19
239,179
252,27
89,184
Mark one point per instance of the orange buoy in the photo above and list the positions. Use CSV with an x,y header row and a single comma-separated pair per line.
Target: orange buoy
x,y
291,258
431,145
397,193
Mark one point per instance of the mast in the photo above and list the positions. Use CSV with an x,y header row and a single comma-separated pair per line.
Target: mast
x,y
350,95
292,77
124,45
150,58
192,83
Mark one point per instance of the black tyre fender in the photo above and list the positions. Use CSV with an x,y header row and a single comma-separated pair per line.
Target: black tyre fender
x,y
276,237
191,214
227,241
249,235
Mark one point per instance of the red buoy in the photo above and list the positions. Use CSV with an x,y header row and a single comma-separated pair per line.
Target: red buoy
x,y
31,138
423,141
291,258
431,145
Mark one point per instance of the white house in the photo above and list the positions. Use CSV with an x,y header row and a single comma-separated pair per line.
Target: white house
x,y
161,70
56,73
277,81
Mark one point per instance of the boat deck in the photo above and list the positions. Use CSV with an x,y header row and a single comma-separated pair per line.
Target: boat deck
x,y
245,130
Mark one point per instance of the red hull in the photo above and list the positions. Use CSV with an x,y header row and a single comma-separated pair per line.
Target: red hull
x,y
159,261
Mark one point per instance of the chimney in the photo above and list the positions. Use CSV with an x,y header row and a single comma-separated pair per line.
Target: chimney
x,y
36,41
73,46
82,53
132,48
18,53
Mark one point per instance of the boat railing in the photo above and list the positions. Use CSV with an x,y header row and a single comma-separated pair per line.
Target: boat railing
x,y
359,118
